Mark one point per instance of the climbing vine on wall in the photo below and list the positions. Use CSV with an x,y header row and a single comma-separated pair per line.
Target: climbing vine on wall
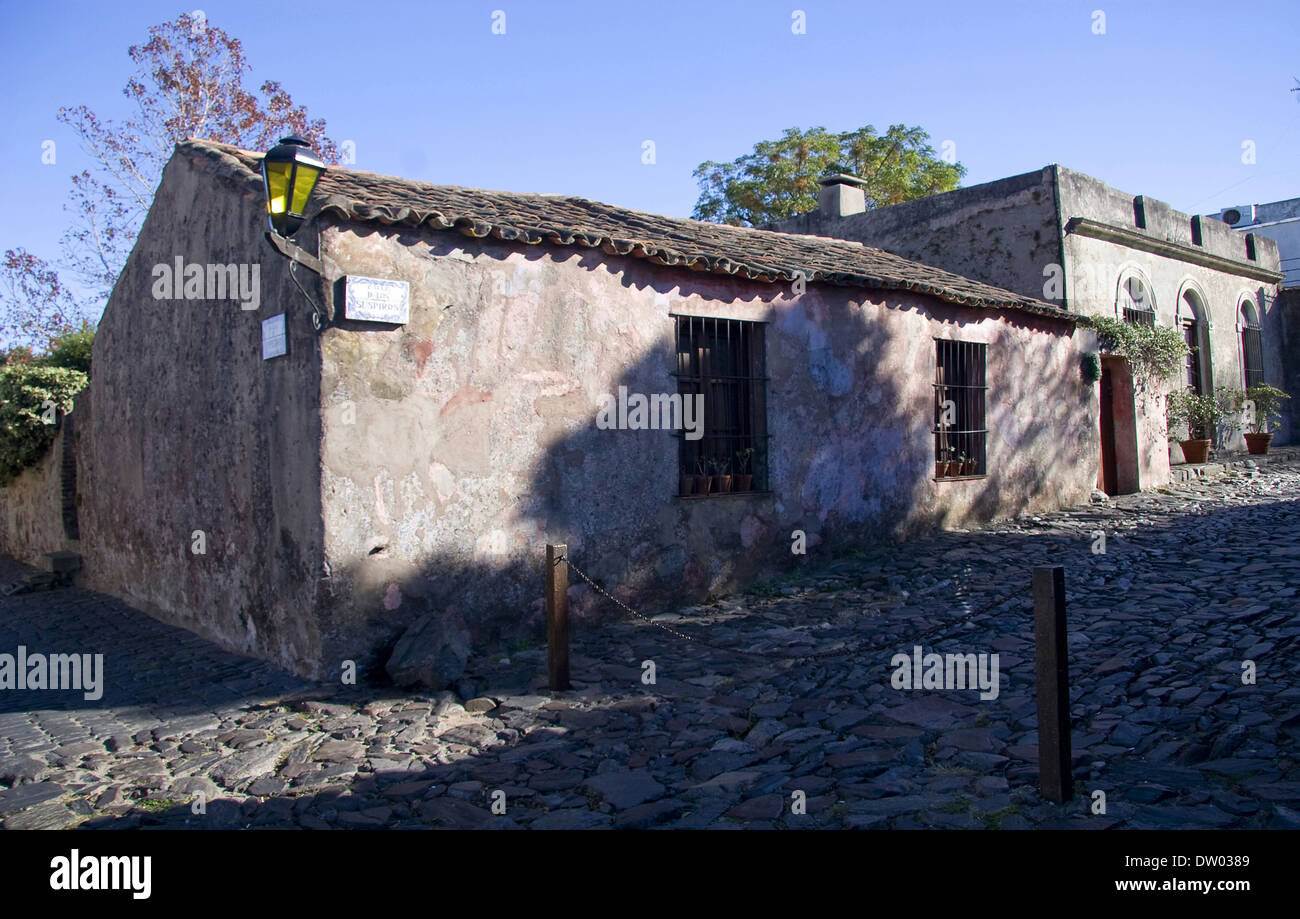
x,y
1155,354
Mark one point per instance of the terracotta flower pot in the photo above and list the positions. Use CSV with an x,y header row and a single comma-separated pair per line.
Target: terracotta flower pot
x,y
743,482
940,470
722,484
1195,451
701,484
968,467
1258,443
954,468
687,485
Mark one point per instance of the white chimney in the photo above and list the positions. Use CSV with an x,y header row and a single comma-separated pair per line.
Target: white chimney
x,y
841,195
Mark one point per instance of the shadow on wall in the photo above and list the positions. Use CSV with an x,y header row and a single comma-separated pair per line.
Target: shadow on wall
x,y
850,415
1058,451
1289,302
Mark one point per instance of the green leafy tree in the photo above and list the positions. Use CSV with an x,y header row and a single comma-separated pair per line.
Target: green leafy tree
x,y
779,178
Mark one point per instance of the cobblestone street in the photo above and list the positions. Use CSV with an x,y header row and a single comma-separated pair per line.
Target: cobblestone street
x,y
1195,580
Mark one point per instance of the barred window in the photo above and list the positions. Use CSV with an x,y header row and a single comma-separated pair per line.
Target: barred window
x,y
1138,308
959,390
723,360
1192,338
1252,348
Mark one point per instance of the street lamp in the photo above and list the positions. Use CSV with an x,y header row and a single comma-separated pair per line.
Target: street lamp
x,y
290,171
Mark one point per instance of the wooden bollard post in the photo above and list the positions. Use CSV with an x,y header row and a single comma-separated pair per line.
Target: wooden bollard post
x,y
557,617
1051,660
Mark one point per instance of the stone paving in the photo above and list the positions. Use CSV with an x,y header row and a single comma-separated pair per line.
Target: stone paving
x,y
1195,580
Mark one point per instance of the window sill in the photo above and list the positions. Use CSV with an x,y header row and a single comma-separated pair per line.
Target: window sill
x,y
960,478
725,494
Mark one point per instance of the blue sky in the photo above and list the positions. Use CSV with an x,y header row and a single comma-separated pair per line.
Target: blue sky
x,y
1160,104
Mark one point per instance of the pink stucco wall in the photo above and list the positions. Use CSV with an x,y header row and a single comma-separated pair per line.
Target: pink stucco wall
x,y
455,447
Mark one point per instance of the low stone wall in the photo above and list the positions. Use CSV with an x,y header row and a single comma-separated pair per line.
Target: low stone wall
x,y
31,509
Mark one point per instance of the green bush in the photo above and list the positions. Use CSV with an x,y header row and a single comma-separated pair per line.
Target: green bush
x,y
71,350
1266,405
31,395
1203,415
1090,367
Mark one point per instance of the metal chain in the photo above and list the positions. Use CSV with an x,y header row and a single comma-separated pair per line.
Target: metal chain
x,y
819,655
600,590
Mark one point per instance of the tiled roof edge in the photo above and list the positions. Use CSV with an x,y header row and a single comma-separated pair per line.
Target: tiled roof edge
x,y
236,165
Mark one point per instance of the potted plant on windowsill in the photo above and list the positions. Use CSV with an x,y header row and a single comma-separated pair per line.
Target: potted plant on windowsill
x,y
744,478
687,484
1265,413
720,480
702,480
724,475
967,465
953,466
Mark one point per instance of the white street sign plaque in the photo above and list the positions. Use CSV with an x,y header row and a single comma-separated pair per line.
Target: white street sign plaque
x,y
376,300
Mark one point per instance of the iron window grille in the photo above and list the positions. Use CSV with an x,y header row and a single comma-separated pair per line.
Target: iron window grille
x,y
1252,354
960,388
1136,304
1140,316
725,360
1192,337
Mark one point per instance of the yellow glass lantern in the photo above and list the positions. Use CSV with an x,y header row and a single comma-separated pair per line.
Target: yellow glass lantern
x,y
290,171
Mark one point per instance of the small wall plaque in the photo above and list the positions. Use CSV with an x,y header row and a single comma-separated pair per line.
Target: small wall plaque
x,y
376,300
274,340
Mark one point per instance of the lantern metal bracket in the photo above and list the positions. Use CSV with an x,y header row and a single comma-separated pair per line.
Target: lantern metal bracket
x,y
296,253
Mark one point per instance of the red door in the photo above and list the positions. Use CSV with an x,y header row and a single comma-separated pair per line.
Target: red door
x,y
1108,479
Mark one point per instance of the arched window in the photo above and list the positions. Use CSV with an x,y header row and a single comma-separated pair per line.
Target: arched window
x,y
1252,349
1136,303
1191,318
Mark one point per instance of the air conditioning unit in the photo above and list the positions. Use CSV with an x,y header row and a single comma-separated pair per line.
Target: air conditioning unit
x,y
1240,216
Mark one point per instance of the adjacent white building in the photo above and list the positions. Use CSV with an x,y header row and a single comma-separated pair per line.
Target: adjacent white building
x,y
1279,221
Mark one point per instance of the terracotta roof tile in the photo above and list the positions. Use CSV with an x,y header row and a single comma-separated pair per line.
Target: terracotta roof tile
x,y
563,220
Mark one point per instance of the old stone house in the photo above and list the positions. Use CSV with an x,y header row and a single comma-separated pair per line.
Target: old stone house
x,y
308,500
1069,238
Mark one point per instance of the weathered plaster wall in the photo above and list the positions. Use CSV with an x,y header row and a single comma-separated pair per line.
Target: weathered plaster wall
x,y
1095,269
1084,196
193,431
31,509
1002,232
1012,231
457,446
